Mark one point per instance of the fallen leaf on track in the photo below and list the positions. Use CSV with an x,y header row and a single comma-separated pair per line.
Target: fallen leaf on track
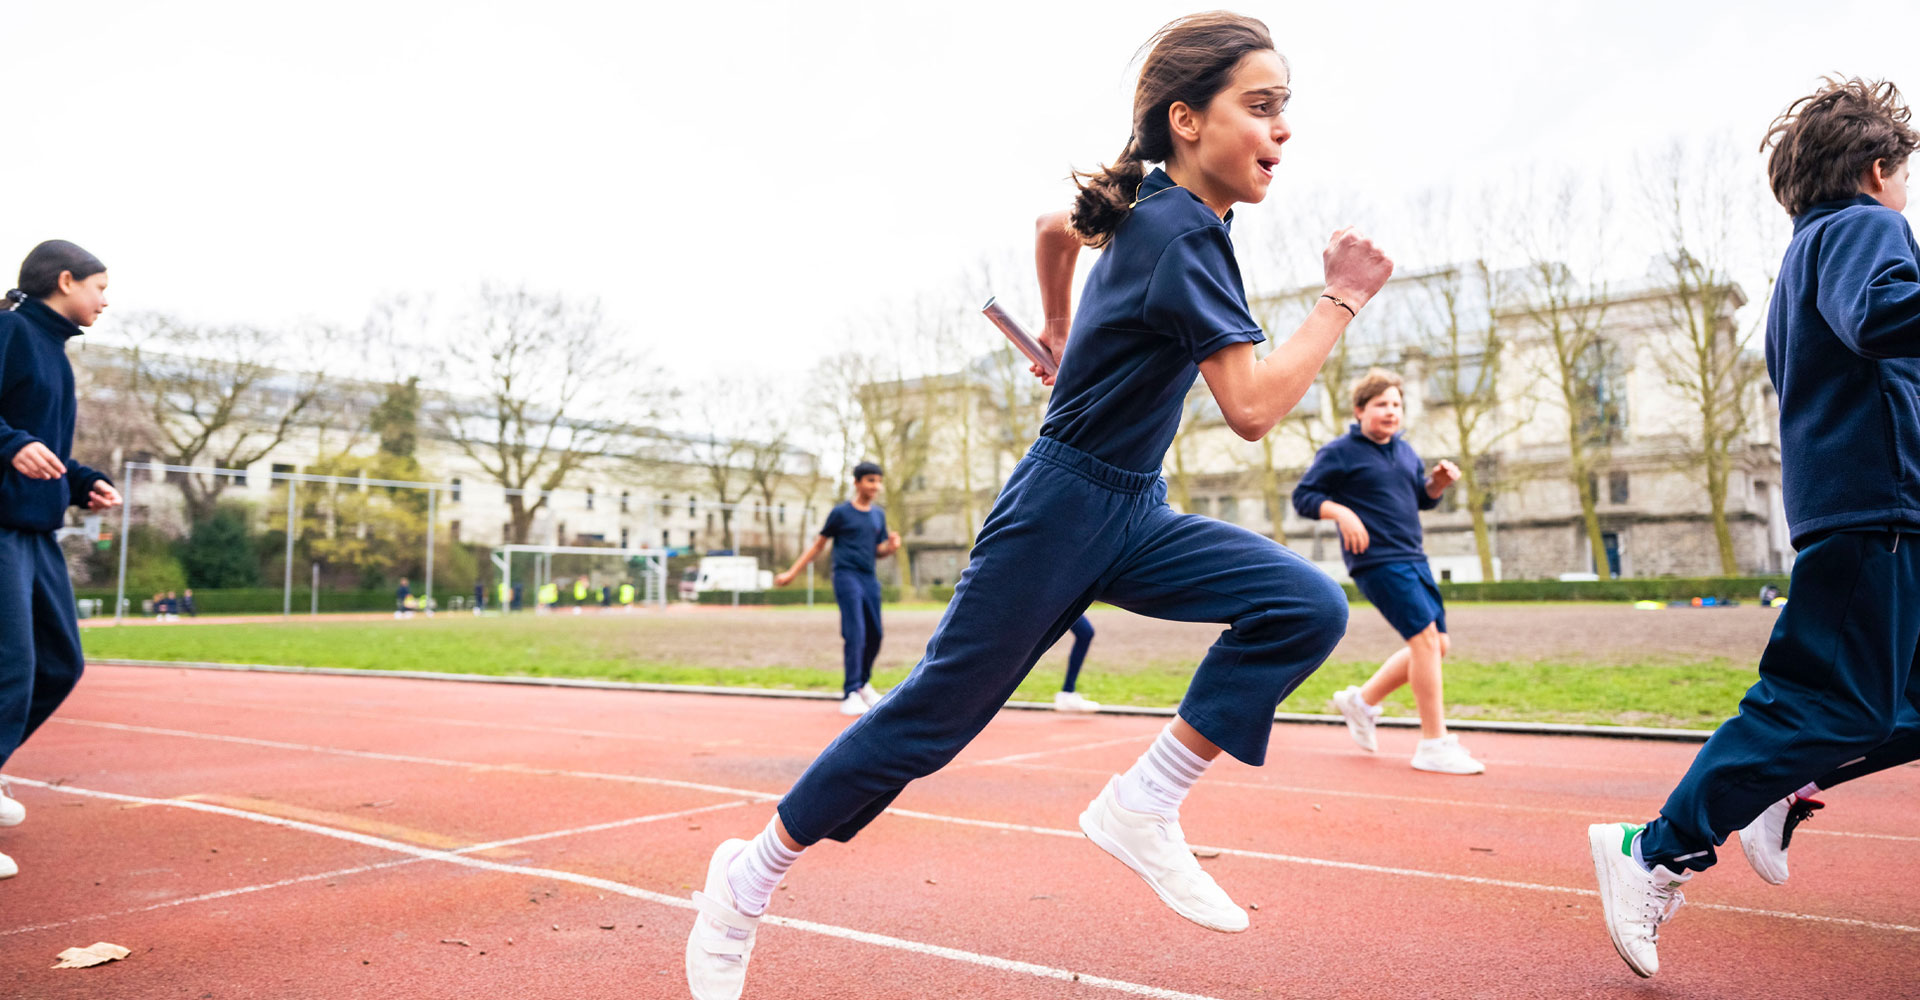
x,y
97,953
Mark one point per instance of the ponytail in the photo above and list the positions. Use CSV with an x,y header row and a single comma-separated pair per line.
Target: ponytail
x,y
1190,61
15,298
1106,196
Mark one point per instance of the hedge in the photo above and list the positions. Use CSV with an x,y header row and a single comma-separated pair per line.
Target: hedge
x,y
1745,589
266,600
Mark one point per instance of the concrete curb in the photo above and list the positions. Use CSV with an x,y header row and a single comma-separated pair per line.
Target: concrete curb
x,y
1466,725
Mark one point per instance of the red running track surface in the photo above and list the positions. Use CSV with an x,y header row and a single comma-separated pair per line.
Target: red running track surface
x,y
265,835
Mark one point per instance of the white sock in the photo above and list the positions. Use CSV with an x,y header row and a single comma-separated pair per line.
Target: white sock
x,y
1807,791
756,871
1159,781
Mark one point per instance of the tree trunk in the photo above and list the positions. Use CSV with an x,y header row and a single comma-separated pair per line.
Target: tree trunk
x,y
1590,514
1717,502
1476,510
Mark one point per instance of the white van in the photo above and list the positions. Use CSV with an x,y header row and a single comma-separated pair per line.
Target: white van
x,y
724,573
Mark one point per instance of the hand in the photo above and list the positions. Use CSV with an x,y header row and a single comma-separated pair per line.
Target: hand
x,y
103,496
36,461
1356,269
782,579
1353,534
1054,340
1444,475
893,539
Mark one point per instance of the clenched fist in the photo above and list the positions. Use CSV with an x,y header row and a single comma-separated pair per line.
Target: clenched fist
x,y
1356,269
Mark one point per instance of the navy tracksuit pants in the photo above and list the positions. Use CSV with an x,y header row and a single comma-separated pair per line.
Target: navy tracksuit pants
x,y
1069,529
1082,630
39,637
1838,696
858,595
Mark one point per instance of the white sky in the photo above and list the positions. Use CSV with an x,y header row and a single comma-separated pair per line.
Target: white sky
x,y
743,183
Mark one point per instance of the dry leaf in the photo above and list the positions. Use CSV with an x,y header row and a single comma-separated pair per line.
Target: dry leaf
x,y
97,953
1206,852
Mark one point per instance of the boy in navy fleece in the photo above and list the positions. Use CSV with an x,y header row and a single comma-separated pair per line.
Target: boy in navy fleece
x,y
858,530
1372,485
62,288
1838,695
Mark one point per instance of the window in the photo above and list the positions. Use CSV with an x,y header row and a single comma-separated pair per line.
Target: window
x,y
1203,505
242,479
783,513
623,501
1230,509
690,503
1602,377
709,520
666,541
1617,487
283,469
454,528
506,532
623,538
455,497
589,498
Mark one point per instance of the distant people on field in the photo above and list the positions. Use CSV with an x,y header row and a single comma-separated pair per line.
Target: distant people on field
x,y
186,604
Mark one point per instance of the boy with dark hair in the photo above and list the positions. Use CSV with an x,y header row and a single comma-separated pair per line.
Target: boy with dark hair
x,y
1373,486
858,530
1838,694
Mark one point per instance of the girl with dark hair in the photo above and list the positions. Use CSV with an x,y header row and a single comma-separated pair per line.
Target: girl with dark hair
x,y
1084,514
62,289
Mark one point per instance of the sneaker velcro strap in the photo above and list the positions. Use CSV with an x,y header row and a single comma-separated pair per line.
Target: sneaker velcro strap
x,y
726,915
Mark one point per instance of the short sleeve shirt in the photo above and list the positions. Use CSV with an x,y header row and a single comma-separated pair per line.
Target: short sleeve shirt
x,y
1164,296
855,533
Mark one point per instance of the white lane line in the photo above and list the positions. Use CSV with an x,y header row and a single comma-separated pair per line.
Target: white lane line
x,y
401,758
1406,872
1420,800
936,817
1013,758
621,888
362,869
438,720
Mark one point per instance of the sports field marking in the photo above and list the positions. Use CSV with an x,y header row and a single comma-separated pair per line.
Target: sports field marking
x,y
1014,758
492,845
962,821
443,720
621,888
1418,800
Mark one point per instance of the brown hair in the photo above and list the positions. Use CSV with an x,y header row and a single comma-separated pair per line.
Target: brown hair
x,y
1371,385
1824,141
1191,60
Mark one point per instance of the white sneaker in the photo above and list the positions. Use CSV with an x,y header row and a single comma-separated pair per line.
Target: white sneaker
x,y
869,694
1156,849
1360,717
1445,756
853,704
1636,902
717,960
7,868
1073,701
1764,841
12,813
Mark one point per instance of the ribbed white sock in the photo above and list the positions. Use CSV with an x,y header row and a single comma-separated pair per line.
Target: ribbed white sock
x,y
755,872
1159,781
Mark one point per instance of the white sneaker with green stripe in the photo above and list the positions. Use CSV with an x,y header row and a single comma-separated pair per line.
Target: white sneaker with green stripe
x,y
1635,901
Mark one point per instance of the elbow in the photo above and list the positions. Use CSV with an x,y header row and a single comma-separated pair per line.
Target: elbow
x,y
1248,422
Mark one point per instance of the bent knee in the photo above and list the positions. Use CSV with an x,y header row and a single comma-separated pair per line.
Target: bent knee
x,y
1429,638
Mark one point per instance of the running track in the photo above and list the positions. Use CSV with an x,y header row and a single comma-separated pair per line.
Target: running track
x,y
258,835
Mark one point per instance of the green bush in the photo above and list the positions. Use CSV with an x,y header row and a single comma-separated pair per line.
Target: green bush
x,y
268,600
221,552
1745,589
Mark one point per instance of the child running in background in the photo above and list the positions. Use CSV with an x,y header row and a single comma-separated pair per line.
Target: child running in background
x,y
1373,486
1839,693
1084,514
1067,699
858,530
62,290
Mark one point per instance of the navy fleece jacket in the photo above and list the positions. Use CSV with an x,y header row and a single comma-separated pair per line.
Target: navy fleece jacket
x,y
37,404
1383,483
1843,350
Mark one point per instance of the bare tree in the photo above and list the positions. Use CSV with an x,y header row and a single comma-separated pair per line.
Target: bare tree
x,y
528,374
221,395
1567,310
1697,199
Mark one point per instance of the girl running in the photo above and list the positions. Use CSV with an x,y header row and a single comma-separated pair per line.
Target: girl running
x,y
1084,514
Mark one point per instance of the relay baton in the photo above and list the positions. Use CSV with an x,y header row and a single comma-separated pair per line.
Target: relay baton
x,y
1021,339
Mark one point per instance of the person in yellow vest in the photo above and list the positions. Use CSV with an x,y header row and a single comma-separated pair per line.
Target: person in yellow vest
x,y
579,593
549,595
626,595
504,596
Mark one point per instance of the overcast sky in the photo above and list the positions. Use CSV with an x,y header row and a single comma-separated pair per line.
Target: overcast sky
x,y
742,182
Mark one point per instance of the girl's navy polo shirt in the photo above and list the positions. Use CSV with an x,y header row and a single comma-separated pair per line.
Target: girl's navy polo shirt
x,y
1163,297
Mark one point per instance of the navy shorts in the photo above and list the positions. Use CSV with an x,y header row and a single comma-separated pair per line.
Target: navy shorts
x,y
1405,594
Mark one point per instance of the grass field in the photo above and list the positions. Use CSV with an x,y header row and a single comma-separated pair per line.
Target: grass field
x,y
1565,663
